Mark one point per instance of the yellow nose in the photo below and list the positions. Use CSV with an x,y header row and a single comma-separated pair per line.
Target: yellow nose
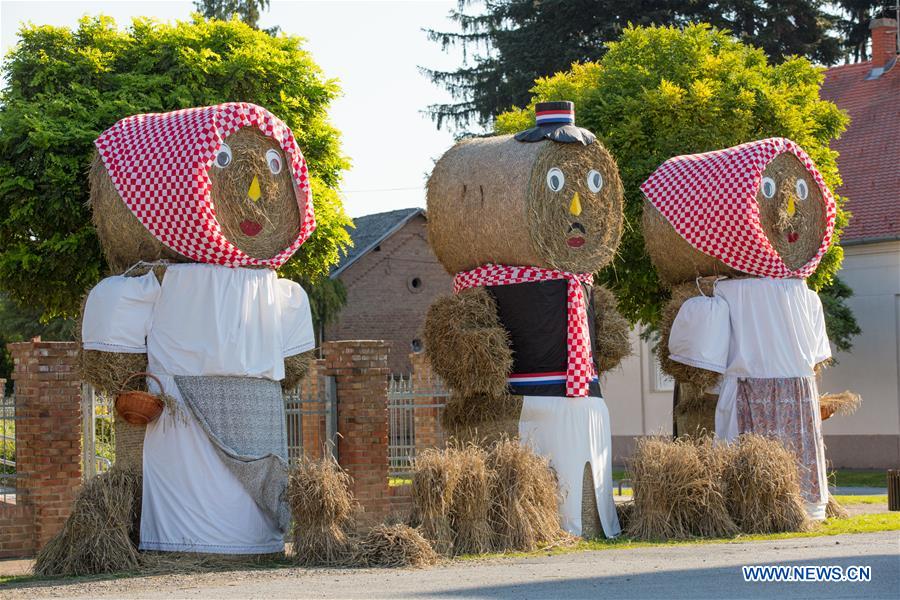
x,y
254,192
575,205
791,207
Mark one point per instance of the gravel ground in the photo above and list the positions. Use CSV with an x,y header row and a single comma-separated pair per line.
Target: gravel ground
x,y
693,571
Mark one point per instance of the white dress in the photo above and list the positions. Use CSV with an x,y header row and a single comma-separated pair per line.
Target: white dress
x,y
765,336
571,432
204,320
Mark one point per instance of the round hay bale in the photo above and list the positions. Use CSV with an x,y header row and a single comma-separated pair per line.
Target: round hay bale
x,y
467,345
795,237
482,419
524,498
471,502
435,476
677,493
393,546
762,486
125,241
489,202
322,506
695,413
101,533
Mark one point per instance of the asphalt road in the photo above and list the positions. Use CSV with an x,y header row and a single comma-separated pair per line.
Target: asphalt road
x,y
696,571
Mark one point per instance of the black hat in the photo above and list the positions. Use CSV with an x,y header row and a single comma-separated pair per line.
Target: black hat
x,y
556,122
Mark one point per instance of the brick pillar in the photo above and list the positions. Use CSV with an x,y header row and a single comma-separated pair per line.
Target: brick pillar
x,y
313,426
427,418
360,372
48,431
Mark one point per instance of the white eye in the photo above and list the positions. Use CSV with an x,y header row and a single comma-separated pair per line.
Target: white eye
x,y
223,156
595,181
555,179
802,189
768,187
274,160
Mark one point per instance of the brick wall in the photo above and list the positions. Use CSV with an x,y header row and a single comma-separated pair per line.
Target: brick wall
x,y
360,372
381,302
48,444
426,418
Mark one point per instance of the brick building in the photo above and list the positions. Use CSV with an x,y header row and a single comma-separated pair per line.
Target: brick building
x,y
391,276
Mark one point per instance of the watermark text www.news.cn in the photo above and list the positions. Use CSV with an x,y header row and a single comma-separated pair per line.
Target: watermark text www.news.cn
x,y
806,573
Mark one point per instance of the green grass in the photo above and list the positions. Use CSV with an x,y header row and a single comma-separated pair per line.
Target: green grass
x,y
869,523
849,499
858,478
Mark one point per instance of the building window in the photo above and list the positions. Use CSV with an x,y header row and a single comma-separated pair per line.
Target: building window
x,y
416,345
414,284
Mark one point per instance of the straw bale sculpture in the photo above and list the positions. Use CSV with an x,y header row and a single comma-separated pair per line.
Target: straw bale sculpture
x,y
735,233
523,222
195,209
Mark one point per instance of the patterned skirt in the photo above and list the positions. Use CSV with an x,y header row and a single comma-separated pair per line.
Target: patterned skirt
x,y
788,409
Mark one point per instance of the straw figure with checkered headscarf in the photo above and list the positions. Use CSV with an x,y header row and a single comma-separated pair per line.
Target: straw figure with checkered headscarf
x,y
735,233
523,222
195,209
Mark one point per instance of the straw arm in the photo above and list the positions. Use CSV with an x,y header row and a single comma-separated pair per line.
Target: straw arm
x,y
467,345
612,331
682,373
109,371
296,368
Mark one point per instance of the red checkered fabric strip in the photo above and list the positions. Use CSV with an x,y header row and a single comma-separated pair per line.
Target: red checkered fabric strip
x,y
159,163
580,370
710,200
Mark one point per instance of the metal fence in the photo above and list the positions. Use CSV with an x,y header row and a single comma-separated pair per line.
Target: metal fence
x,y
318,412
7,447
404,399
300,408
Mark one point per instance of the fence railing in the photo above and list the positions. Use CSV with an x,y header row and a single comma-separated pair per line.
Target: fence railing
x,y
413,399
311,420
8,474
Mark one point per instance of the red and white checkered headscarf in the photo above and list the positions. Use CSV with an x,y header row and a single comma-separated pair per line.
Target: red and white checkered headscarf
x,y
710,200
580,369
159,163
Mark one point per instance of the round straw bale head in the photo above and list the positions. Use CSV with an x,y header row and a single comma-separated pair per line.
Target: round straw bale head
x,y
791,212
545,204
261,219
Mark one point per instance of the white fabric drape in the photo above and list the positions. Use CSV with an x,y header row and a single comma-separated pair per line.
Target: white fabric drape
x,y
202,320
571,432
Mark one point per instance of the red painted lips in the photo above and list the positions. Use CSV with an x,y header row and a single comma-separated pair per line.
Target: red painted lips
x,y
575,242
250,228
793,236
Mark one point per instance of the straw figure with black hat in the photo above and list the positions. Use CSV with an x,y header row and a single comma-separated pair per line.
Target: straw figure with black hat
x,y
195,209
735,233
523,222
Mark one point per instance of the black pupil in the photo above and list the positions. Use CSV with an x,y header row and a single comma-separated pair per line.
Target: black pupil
x,y
596,179
555,181
222,159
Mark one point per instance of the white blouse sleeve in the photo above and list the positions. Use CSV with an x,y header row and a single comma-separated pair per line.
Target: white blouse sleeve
x,y
701,334
118,312
822,346
296,319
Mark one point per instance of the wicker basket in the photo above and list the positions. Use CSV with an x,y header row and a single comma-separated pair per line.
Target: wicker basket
x,y
137,407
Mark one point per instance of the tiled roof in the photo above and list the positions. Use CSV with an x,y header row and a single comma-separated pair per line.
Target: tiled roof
x,y
370,231
869,160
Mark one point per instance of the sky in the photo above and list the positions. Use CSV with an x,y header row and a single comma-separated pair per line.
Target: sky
x,y
373,48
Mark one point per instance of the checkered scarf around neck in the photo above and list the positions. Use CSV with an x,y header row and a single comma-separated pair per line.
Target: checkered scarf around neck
x,y
580,363
710,200
159,164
